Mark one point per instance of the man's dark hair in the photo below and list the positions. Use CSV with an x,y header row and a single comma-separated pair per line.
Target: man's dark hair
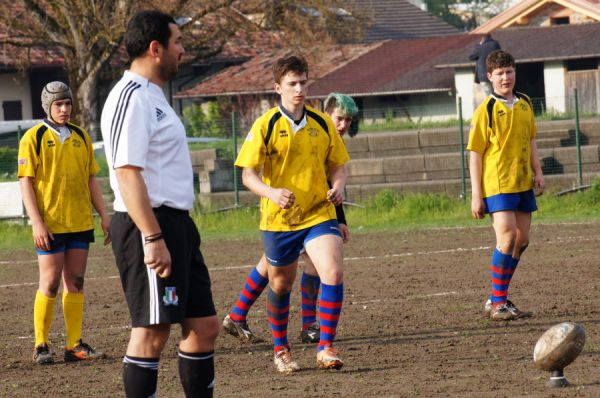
x,y
499,59
143,28
294,63
487,36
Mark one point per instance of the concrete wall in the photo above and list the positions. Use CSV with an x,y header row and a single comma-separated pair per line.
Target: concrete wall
x,y
15,87
554,83
464,80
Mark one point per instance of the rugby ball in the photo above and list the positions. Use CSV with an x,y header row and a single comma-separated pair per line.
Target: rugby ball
x,y
559,346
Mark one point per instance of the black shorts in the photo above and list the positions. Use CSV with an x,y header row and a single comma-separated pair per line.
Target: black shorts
x,y
153,300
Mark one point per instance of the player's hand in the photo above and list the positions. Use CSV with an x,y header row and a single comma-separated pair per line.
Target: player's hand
x,y
105,225
41,236
345,233
282,197
477,208
158,258
335,196
538,185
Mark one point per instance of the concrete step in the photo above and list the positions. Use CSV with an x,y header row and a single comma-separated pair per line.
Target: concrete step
x,y
453,187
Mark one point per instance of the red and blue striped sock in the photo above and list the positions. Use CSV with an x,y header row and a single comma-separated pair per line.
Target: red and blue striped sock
x,y
254,286
309,286
278,311
330,308
501,270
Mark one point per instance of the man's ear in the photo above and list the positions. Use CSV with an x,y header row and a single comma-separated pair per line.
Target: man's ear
x,y
154,48
489,76
277,88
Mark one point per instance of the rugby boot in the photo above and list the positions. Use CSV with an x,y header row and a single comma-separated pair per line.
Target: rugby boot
x,y
240,330
488,308
312,334
42,355
328,359
284,362
81,352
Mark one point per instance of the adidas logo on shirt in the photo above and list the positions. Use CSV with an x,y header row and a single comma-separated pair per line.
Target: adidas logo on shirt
x,y
160,115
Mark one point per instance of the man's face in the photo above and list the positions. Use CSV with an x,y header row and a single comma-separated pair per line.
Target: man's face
x,y
340,121
293,89
60,111
172,55
503,80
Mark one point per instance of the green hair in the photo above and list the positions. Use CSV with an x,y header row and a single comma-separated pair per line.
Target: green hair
x,y
342,102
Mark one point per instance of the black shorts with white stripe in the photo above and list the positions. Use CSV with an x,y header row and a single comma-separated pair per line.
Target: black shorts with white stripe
x,y
152,300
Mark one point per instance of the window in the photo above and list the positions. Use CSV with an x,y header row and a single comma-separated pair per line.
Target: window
x,y
12,110
559,21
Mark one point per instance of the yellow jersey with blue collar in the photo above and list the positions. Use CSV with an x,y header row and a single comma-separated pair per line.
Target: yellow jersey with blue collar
x,y
502,133
294,156
60,167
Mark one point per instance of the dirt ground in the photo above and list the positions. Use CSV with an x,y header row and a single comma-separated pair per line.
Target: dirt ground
x,y
412,324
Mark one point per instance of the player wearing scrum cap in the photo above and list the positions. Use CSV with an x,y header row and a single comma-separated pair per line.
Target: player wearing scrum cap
x,y
56,170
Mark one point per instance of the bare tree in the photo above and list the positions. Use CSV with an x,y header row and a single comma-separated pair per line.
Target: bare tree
x,y
89,33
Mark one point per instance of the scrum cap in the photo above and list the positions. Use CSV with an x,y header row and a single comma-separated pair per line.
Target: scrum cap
x,y
54,91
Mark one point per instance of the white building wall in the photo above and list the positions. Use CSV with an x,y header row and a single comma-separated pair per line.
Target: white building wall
x,y
554,83
15,87
464,80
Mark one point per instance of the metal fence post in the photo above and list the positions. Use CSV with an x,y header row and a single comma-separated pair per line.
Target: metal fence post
x,y
463,192
234,152
577,139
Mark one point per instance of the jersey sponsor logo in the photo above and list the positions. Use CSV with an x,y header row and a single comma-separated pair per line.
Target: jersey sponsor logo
x,y
51,143
22,162
523,106
170,297
160,114
501,112
76,143
313,132
283,133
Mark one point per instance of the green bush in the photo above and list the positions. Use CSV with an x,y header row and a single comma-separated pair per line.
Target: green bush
x,y
211,123
8,162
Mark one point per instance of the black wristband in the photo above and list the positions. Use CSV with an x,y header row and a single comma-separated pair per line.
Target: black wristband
x,y
153,238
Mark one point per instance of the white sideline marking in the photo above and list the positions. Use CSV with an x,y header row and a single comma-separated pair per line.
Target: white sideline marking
x,y
395,255
415,296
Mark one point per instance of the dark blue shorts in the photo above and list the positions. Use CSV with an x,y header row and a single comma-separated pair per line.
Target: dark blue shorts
x,y
68,241
520,201
283,248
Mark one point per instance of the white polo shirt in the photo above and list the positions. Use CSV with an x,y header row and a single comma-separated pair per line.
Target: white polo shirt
x,y
140,129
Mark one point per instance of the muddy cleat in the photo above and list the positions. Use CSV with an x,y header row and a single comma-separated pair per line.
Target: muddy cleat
x,y
284,362
328,359
42,355
240,330
81,352
517,313
312,334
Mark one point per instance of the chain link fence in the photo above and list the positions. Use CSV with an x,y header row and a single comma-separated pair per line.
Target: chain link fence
x,y
402,146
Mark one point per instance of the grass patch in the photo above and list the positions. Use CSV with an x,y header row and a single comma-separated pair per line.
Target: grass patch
x,y
389,210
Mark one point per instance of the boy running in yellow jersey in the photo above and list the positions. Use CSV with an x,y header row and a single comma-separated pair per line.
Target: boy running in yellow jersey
x,y
342,111
505,170
57,176
297,149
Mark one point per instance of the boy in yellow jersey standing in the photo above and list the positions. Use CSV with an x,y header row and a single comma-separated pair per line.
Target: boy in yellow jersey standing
x,y
505,176
297,149
57,171
342,110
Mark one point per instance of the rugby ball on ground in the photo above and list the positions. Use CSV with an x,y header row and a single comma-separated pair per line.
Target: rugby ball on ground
x,y
559,346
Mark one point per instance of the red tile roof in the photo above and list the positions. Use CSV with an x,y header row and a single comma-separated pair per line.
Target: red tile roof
x,y
255,76
537,44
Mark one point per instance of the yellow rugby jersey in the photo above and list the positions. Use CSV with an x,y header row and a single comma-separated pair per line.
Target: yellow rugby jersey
x,y
61,172
296,161
503,136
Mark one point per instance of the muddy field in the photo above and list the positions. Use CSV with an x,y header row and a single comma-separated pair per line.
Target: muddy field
x,y
412,324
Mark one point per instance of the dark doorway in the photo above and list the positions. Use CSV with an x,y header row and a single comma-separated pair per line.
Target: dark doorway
x,y
530,80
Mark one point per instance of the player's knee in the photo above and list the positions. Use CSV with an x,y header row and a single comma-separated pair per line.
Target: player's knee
x,y
50,288
333,276
281,286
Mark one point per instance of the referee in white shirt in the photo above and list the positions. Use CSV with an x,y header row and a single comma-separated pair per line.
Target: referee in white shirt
x,y
155,242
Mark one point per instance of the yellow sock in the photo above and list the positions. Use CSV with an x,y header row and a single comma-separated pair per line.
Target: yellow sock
x,y
43,311
73,314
